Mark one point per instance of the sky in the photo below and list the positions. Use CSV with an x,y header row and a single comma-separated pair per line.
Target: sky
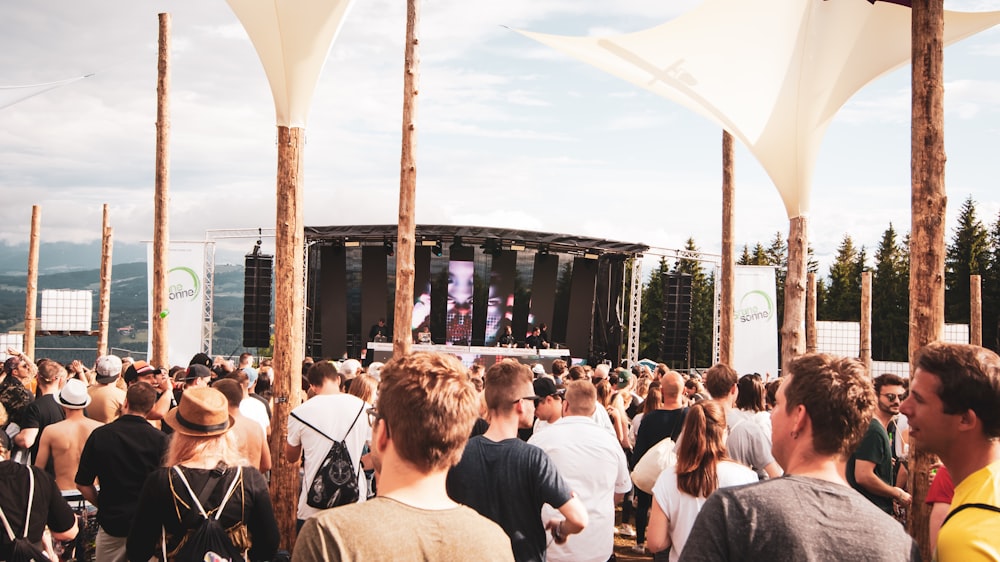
x,y
510,132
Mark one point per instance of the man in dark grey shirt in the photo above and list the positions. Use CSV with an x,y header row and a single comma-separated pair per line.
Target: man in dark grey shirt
x,y
823,408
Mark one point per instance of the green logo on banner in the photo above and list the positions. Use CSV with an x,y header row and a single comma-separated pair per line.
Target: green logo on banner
x,y
184,289
754,306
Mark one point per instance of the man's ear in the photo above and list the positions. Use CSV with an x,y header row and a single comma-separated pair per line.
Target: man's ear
x,y
800,418
380,435
968,421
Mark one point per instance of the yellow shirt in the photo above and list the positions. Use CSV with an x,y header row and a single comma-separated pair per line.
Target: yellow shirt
x,y
973,534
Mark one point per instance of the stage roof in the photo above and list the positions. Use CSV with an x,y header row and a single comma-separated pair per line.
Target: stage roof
x,y
474,236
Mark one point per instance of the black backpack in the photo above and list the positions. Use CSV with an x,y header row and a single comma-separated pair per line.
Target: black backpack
x,y
21,549
336,480
209,535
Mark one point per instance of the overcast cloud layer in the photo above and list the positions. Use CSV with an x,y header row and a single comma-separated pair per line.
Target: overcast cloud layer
x,y
511,134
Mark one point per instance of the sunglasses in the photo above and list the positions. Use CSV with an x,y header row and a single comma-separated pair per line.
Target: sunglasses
x,y
893,397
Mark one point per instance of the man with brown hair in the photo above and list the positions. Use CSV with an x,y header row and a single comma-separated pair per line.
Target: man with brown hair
x,y
508,480
44,411
250,437
954,412
822,410
747,442
426,408
869,470
121,455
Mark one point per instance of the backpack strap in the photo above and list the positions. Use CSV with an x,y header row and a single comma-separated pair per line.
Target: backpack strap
x,y
225,499
312,427
985,506
27,514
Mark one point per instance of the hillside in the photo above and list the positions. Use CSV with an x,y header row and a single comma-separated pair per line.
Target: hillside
x,y
128,308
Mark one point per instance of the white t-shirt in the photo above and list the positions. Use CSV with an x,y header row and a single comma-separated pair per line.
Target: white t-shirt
x,y
332,414
255,410
593,465
682,508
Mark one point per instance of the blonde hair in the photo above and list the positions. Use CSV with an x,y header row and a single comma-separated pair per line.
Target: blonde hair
x,y
190,449
364,386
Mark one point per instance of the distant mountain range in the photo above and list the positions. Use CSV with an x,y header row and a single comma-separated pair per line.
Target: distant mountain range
x,y
77,266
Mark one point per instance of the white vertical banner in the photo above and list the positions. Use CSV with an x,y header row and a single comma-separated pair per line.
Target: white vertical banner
x,y
755,321
185,300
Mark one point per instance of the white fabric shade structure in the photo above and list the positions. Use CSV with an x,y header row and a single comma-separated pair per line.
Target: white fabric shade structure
x,y
292,39
9,95
771,72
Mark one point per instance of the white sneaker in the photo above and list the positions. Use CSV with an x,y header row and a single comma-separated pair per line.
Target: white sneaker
x,y
626,530
639,549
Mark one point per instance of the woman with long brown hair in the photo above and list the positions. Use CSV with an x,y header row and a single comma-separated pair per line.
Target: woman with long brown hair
x,y
203,456
702,467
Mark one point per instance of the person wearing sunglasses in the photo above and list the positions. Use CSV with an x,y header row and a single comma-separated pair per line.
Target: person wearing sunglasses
x,y
869,470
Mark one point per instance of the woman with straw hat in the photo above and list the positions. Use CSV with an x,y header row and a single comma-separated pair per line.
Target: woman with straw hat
x,y
205,476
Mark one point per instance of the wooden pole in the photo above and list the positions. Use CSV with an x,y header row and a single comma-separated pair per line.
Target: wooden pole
x,y
792,337
866,320
927,207
976,310
811,346
161,207
289,237
402,335
31,293
727,272
104,314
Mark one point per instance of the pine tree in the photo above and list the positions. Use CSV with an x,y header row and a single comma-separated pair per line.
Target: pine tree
x,y
890,300
843,295
967,254
702,303
991,291
651,313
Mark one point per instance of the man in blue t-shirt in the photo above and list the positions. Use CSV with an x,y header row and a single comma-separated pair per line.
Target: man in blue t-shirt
x,y
507,480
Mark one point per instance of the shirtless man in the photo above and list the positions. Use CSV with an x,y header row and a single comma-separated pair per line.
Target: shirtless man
x,y
62,442
248,432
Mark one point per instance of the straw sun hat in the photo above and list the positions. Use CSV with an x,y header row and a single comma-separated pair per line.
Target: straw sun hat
x,y
203,412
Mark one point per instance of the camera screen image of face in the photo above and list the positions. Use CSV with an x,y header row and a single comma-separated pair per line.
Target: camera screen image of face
x,y
460,291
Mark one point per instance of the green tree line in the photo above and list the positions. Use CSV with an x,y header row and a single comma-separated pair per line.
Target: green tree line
x,y
973,249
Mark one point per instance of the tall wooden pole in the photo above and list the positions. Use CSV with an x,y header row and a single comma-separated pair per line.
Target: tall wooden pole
x,y
161,208
811,346
976,310
104,314
927,207
402,335
31,293
289,301
792,335
728,261
866,320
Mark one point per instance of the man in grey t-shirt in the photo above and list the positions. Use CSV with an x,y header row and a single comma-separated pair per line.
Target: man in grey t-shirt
x,y
747,443
822,410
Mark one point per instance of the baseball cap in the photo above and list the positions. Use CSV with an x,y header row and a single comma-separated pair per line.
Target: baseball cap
x,y
546,387
201,359
138,369
109,368
197,371
624,377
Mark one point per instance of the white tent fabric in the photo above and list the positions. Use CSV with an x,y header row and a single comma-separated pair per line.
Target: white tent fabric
x,y
771,72
292,40
9,95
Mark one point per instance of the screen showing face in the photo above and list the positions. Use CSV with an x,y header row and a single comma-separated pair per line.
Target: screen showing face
x,y
460,291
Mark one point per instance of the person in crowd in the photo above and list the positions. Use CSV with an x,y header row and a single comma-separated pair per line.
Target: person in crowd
x,y
336,414
251,440
747,443
653,400
121,455
251,408
141,371
771,393
695,391
245,364
822,411
750,393
869,470
106,398
425,412
204,456
549,404
30,498
14,397
559,370
379,331
952,412
593,465
498,465
702,467
666,420
939,496
364,387
44,410
62,443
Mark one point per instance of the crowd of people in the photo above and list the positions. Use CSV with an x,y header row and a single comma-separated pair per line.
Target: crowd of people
x,y
423,458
